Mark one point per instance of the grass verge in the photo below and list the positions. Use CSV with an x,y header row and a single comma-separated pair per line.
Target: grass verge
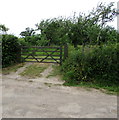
x,y
34,70
105,89
12,68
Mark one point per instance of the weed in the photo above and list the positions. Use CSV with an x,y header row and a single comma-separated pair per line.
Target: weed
x,y
30,80
48,84
39,87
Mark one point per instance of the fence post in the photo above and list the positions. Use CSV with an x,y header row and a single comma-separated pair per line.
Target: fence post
x,y
65,51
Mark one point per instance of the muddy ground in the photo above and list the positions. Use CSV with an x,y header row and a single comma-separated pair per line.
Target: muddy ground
x,y
48,98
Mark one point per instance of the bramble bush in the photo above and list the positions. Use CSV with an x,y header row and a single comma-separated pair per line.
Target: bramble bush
x,y
96,64
10,50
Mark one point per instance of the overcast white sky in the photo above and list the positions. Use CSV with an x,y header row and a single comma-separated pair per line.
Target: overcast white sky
x,y
19,14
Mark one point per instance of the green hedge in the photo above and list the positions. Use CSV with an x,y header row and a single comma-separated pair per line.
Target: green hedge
x,y
97,64
10,50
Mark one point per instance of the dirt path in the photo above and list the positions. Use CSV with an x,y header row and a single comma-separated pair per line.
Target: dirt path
x,y
48,98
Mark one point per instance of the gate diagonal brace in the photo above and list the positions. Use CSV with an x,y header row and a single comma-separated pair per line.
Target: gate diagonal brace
x,y
35,58
27,56
49,55
32,55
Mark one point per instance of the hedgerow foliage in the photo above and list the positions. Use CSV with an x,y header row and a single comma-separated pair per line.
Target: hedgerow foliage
x,y
97,64
10,50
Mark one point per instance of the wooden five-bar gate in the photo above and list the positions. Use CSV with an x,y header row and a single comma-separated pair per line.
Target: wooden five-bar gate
x,y
44,54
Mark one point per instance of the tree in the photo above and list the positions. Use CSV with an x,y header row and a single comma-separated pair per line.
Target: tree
x,y
103,14
88,29
28,32
54,30
3,29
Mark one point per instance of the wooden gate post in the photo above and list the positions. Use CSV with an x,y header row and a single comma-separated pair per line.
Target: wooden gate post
x,y
65,51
